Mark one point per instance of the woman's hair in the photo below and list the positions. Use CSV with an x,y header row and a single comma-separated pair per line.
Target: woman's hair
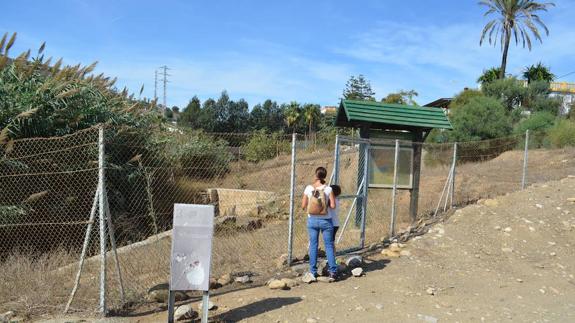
x,y
321,174
336,189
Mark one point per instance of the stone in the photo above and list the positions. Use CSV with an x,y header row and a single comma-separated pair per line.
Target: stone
x,y
311,320
354,262
277,284
308,278
405,253
379,306
427,318
539,206
394,247
507,250
357,272
185,312
211,306
390,254
160,293
571,199
497,227
214,284
225,280
243,279
430,291
300,268
323,279
290,282
508,229
553,254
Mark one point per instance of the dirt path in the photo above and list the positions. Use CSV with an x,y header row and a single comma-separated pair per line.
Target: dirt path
x,y
506,259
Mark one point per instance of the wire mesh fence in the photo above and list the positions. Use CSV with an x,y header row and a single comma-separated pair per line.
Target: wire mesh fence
x,y
48,188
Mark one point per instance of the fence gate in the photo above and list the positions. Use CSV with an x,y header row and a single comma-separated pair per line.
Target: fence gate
x,y
351,172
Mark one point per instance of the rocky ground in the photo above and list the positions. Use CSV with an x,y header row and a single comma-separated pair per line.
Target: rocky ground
x,y
511,258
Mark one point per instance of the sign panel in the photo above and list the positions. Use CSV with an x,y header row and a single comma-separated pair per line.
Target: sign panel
x,y
191,247
381,162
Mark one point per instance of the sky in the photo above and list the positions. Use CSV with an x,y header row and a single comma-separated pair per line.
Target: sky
x,y
282,50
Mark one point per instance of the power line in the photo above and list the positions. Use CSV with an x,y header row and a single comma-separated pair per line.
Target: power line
x,y
566,74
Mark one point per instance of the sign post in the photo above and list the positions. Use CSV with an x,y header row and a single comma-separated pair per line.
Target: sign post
x,y
191,253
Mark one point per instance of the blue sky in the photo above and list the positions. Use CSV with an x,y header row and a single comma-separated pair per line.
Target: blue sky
x,y
283,50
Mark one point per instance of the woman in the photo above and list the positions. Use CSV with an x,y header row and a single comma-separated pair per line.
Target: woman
x,y
316,200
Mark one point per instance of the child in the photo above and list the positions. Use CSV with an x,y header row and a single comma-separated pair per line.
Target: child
x,y
316,200
334,212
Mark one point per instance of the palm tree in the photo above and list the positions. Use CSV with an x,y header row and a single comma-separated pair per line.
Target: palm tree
x,y
292,114
489,75
538,72
514,18
311,114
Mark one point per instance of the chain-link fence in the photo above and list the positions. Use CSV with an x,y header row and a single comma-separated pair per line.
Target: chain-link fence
x,y
48,189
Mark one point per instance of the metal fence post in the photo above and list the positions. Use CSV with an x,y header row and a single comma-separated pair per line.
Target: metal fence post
x,y
102,219
365,193
394,189
525,155
292,199
336,161
451,194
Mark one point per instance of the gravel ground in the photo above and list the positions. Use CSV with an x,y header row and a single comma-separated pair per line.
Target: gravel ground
x,y
510,258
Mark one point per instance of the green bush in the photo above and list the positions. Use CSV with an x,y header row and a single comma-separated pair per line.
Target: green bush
x,y
562,134
204,157
10,214
263,146
537,124
481,118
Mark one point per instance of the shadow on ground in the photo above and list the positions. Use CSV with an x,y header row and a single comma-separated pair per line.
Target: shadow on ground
x,y
256,308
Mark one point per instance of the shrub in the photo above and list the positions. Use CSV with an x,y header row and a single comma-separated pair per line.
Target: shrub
x,y
537,124
263,146
482,118
10,214
509,91
204,157
562,134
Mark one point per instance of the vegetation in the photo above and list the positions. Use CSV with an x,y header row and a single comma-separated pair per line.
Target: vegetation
x,y
489,75
481,118
538,72
562,134
401,97
513,19
358,88
263,145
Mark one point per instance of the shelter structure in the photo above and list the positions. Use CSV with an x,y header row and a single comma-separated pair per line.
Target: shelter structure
x,y
379,122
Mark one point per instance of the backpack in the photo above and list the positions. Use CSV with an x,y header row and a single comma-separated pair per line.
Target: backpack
x,y
317,204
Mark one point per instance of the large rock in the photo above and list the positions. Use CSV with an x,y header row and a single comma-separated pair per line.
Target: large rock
x,y
185,312
354,262
390,254
290,282
160,293
225,280
395,247
243,279
277,284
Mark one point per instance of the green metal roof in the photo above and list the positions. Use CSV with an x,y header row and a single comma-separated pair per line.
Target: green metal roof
x,y
387,115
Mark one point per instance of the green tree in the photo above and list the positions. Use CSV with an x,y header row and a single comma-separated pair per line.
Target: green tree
x,y
489,75
401,97
509,91
358,88
292,115
169,114
513,19
481,118
538,72
191,114
311,114
463,97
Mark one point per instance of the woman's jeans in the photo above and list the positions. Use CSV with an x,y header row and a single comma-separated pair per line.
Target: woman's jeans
x,y
314,227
